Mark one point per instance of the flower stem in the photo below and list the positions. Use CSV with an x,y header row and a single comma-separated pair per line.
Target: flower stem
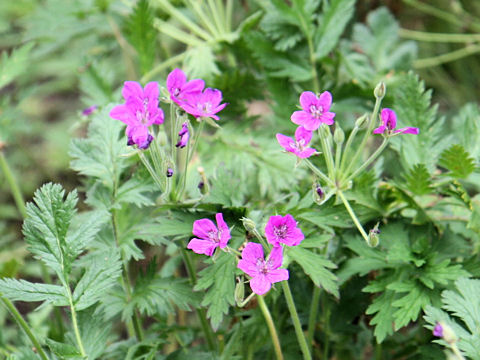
x,y
296,321
16,192
347,148
23,324
189,156
352,215
164,65
444,58
152,172
370,126
76,331
369,160
438,37
319,173
312,319
327,151
457,352
200,312
271,327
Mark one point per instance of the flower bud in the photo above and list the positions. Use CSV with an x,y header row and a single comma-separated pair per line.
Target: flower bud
x,y
362,120
162,138
325,131
318,193
239,292
169,172
380,90
444,331
339,135
248,224
373,238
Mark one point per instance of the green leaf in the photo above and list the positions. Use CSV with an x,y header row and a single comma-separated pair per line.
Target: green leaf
x,y
100,154
335,16
141,34
26,291
101,274
46,225
219,279
458,161
316,267
418,180
412,105
463,305
380,41
63,351
15,64
383,319
200,62
137,190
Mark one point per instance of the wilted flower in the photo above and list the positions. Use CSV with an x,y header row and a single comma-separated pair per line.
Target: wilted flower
x,y
139,112
89,110
389,123
179,87
184,136
315,110
210,236
263,272
283,229
438,330
204,104
299,146
169,172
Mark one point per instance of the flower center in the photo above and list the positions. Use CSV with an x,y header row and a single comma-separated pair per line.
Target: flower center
x,y
176,92
205,108
263,266
316,111
214,235
300,144
280,231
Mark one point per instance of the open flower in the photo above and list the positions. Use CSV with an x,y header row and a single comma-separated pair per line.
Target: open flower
x,y
210,236
299,146
139,112
184,136
283,229
179,87
263,272
204,104
315,110
389,123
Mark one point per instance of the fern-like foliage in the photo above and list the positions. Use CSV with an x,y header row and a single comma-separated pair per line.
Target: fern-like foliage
x,y
457,161
14,64
141,34
418,180
461,312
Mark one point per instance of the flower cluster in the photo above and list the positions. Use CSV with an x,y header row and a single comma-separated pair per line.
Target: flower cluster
x,y
263,272
141,109
315,111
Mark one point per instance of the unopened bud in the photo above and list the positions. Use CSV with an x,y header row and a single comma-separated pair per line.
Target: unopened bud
x,y
380,90
239,292
373,238
444,331
162,138
325,131
361,121
339,135
248,224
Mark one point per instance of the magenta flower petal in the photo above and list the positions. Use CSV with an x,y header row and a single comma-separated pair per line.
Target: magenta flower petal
x,y
132,89
389,118
204,104
200,246
286,142
151,92
121,112
303,134
184,136
327,118
175,81
380,130
278,275
325,101
306,153
203,228
195,85
408,130
283,229
275,258
224,231
307,98
139,135
260,284
300,117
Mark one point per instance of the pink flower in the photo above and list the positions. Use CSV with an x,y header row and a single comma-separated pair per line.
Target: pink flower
x,y
315,110
139,112
184,136
263,273
283,229
179,87
203,104
210,237
299,146
389,123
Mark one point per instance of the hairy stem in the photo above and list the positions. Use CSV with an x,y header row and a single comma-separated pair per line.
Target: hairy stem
x,y
23,324
271,327
312,318
296,321
317,172
369,160
12,183
438,37
444,58
76,331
